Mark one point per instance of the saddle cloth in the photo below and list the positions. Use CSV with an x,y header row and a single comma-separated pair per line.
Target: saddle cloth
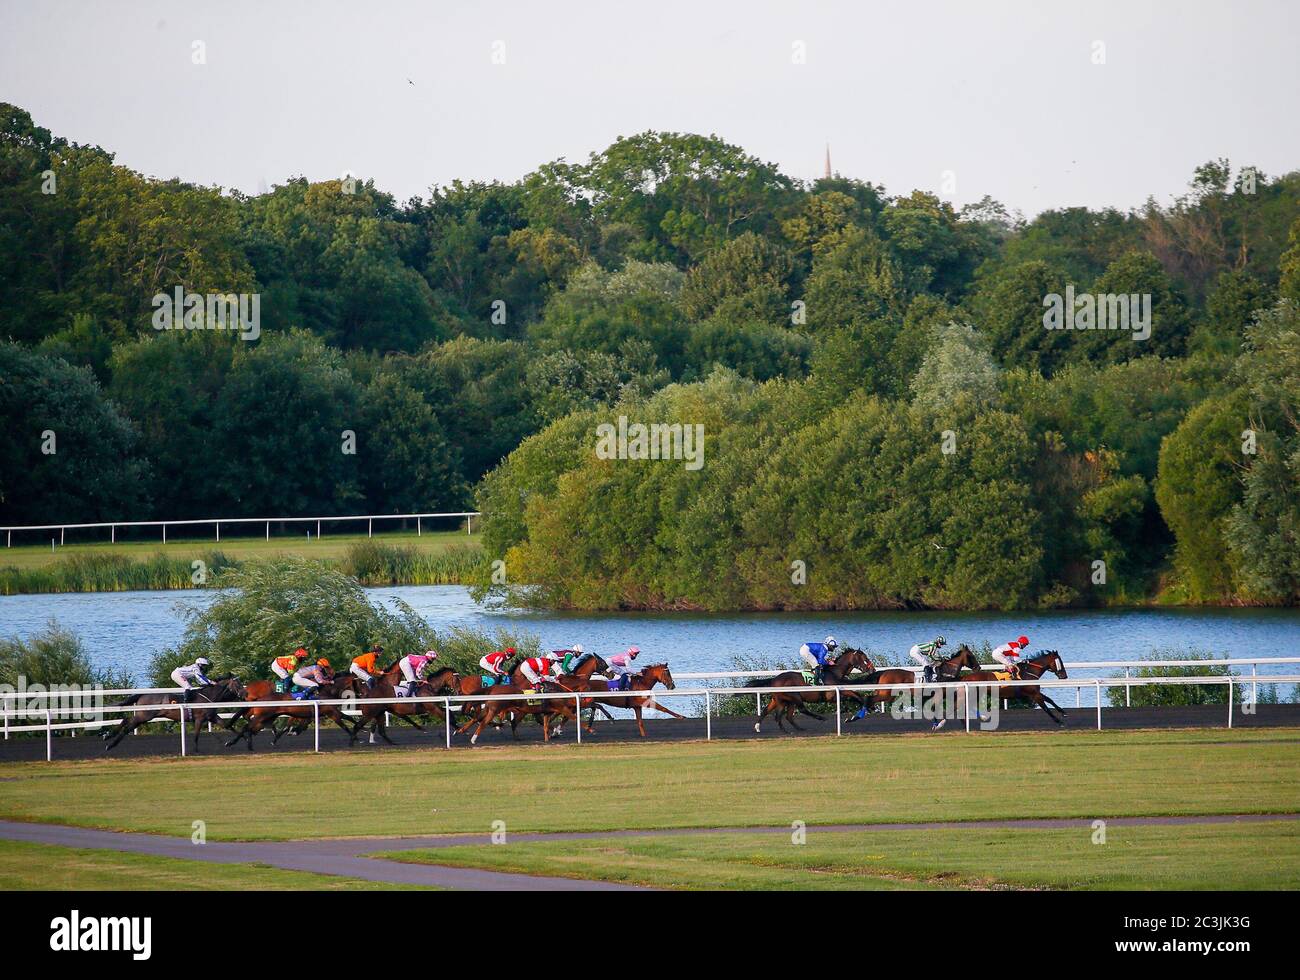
x,y
809,678
1002,675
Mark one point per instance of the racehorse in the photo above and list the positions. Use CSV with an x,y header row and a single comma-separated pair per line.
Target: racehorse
x,y
835,674
947,670
302,710
221,691
373,714
544,708
642,681
1031,669
589,664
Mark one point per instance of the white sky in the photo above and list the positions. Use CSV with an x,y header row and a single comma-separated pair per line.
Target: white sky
x,y
1003,94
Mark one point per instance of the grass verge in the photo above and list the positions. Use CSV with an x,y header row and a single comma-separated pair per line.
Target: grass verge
x,y
865,779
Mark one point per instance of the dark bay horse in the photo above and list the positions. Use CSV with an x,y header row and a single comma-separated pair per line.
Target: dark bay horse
x,y
643,682
303,710
1031,669
947,670
835,674
154,706
372,714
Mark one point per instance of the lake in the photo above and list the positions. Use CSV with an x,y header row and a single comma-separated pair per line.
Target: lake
x,y
123,629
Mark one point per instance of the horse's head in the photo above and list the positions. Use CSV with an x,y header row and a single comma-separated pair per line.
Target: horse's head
x,y
233,688
602,666
658,674
440,680
854,659
1052,661
964,657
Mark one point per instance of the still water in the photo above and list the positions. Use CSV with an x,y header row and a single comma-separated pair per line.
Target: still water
x,y
122,629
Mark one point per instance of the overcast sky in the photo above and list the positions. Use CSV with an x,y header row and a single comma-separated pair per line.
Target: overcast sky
x,y
1005,95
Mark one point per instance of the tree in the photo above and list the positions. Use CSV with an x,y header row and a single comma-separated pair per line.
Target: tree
x,y
958,366
68,454
280,431
1198,485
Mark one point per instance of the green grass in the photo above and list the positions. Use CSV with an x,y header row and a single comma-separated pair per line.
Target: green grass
x,y
400,557
328,546
25,866
1162,858
888,778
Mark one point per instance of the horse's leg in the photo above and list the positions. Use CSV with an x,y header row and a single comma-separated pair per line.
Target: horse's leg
x,y
652,703
639,725
1041,700
489,713
129,724
771,703
383,730
1053,704
789,716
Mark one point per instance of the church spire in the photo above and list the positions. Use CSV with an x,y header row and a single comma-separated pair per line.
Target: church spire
x,y
828,160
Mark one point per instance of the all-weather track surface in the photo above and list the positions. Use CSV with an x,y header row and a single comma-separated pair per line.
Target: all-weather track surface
x,y
91,746
347,856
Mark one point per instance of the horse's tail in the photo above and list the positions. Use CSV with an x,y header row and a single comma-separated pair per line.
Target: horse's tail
x,y
761,682
132,699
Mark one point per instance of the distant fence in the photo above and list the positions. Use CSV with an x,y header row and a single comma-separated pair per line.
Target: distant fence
x,y
216,523
101,715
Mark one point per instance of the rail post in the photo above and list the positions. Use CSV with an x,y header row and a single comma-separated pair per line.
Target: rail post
x,y
1098,684
49,734
577,700
1254,684
965,700
708,716
446,704
370,528
839,723
183,730
315,720
1229,700
1128,689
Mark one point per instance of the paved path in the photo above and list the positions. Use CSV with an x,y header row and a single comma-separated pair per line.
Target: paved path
x,y
347,856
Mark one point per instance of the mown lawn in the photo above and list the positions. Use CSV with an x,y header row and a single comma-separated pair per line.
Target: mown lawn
x,y
332,546
25,866
865,779
1245,856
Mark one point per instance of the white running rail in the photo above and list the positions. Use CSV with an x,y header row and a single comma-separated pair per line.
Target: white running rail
x,y
216,522
448,703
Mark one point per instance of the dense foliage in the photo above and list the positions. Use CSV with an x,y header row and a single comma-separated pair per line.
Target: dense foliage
x,y
887,420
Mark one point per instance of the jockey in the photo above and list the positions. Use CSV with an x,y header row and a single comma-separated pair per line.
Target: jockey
x,y
310,678
366,667
817,655
620,665
282,667
568,659
413,666
927,655
536,669
494,663
190,676
1009,655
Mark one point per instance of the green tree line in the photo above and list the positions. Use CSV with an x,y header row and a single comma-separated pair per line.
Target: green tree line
x,y
881,399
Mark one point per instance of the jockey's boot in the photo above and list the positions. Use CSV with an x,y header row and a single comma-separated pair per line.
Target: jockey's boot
x,y
929,673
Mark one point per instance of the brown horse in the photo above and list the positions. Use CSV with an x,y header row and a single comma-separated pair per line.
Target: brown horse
x,y
947,670
1031,669
258,715
835,674
642,681
516,710
374,714
150,707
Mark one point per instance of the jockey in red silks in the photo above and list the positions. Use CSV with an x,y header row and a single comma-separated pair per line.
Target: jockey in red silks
x,y
1009,655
